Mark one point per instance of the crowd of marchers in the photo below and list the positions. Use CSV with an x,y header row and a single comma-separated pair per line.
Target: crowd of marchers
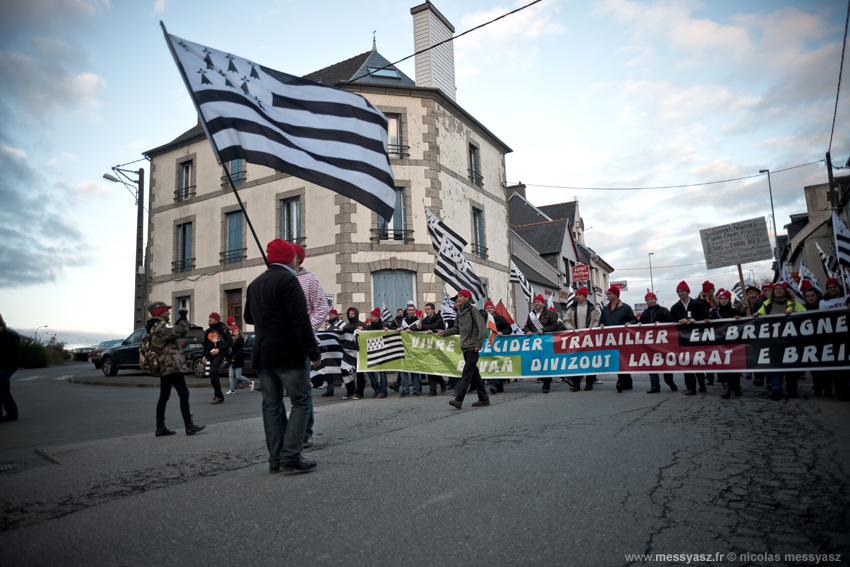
x,y
709,304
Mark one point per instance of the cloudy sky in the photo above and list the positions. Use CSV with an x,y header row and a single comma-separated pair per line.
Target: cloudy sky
x,y
615,93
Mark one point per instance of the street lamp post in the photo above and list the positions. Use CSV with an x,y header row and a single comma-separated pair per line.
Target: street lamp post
x,y
651,284
140,276
36,331
773,216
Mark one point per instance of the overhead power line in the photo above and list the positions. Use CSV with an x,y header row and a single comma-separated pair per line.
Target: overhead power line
x,y
444,41
669,186
659,267
840,70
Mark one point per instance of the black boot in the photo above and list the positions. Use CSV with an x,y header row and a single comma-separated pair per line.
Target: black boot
x,y
191,428
161,429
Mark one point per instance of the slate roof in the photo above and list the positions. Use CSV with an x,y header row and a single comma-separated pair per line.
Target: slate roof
x,y
560,211
355,67
545,237
522,212
186,137
533,275
583,254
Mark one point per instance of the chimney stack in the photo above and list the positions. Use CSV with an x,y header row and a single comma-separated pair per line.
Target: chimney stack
x,y
436,67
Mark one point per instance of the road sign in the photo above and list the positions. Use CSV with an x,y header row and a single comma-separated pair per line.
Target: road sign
x,y
737,243
640,308
581,273
624,286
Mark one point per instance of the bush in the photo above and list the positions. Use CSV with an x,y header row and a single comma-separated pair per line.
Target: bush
x,y
33,353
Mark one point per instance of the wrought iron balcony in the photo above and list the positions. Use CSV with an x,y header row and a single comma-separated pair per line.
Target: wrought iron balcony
x,y
392,235
398,151
479,250
185,265
233,256
475,177
185,193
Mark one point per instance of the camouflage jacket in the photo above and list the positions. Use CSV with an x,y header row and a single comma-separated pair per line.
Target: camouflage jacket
x,y
164,340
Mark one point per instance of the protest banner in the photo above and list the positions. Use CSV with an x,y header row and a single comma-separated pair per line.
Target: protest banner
x,y
809,340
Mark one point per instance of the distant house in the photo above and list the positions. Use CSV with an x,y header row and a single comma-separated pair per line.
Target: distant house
x,y
201,255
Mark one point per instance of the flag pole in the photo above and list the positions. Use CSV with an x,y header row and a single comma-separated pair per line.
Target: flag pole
x,y
212,140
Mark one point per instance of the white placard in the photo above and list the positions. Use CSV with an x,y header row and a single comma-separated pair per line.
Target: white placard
x,y
737,243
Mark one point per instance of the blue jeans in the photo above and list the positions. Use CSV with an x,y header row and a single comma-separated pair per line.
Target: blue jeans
x,y
236,374
6,399
406,378
379,381
284,438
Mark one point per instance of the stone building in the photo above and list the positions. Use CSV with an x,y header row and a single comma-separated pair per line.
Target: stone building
x,y
201,254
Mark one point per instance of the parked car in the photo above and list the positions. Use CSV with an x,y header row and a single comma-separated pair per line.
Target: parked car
x,y
125,356
81,354
94,356
249,346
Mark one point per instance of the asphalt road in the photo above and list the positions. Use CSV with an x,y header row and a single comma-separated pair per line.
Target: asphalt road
x,y
560,479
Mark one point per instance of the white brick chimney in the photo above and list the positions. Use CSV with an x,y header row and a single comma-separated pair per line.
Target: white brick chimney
x,y
436,67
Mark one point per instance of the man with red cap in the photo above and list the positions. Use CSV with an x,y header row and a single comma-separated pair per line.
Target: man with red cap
x,y
835,299
410,323
579,316
731,381
540,320
783,302
652,315
217,343
706,296
618,313
377,379
472,328
284,346
334,321
688,310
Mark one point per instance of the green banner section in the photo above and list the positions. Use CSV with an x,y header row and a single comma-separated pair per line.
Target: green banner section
x,y
428,354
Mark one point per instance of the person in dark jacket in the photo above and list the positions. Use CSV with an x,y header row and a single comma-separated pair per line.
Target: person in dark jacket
x,y
731,380
502,328
581,315
217,343
653,315
284,350
618,313
472,328
237,361
430,324
377,379
708,300
540,320
10,359
688,310
172,364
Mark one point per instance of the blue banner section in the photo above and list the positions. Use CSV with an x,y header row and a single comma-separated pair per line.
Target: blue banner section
x,y
598,362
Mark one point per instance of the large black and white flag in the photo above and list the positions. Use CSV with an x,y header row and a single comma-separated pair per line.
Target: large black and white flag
x,y
318,133
454,269
437,229
842,241
806,274
383,349
447,311
339,355
830,264
518,277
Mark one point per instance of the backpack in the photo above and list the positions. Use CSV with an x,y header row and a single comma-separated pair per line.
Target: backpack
x,y
150,360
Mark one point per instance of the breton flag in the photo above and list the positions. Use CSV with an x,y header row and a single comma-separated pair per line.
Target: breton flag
x,y
339,355
806,274
447,310
321,134
517,277
453,267
437,229
383,349
571,298
830,264
386,314
842,241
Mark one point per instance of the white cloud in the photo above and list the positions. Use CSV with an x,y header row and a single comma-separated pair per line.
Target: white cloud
x,y
20,154
91,189
158,7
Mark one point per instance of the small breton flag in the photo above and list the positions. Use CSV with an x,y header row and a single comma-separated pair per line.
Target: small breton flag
x,y
380,350
491,324
318,133
386,314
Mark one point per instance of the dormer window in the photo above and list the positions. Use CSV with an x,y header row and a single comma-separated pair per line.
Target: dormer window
x,y
383,73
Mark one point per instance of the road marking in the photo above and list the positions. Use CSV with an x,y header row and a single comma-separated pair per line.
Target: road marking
x,y
27,378
63,377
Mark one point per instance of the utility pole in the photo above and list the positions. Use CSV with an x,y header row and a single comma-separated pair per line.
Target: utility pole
x,y
651,284
833,198
141,277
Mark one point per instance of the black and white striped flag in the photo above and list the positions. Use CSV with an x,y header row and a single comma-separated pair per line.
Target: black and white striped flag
x,y
518,277
437,229
447,310
380,350
571,298
792,285
339,355
806,274
318,133
842,241
386,314
830,264
453,267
